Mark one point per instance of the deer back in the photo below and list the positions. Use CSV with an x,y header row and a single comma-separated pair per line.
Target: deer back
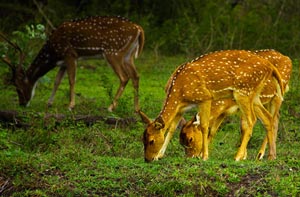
x,y
218,74
95,35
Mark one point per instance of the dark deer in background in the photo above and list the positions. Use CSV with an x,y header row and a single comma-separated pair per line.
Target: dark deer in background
x,y
116,38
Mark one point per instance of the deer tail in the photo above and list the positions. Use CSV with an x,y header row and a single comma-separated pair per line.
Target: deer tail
x,y
141,42
280,86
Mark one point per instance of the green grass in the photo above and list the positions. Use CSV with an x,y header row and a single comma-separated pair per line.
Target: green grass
x,y
73,159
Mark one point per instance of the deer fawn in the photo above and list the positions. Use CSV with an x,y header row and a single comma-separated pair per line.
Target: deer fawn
x,y
116,38
191,136
236,74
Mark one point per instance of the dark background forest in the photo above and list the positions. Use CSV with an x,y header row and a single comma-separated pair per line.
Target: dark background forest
x,y
189,27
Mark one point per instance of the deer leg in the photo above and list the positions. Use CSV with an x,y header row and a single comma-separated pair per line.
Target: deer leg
x,y
218,114
262,149
273,107
71,70
263,146
215,126
204,113
59,76
170,133
133,74
248,119
246,134
116,62
243,132
267,120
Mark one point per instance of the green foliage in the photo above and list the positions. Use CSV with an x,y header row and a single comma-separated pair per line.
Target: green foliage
x,y
4,143
29,40
189,27
196,27
32,32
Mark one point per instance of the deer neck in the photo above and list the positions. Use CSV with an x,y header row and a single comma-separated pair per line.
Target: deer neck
x,y
43,63
173,107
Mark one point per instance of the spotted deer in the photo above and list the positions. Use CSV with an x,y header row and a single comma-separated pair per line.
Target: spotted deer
x,y
190,134
236,74
116,38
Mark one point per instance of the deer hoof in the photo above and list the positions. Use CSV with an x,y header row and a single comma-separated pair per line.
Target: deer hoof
x,y
238,158
71,107
49,104
241,156
204,157
259,156
271,157
160,155
112,107
137,109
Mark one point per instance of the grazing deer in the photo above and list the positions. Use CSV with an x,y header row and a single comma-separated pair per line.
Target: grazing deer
x,y
190,134
116,38
236,74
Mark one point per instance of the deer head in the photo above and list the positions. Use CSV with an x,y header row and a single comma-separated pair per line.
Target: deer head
x,y
191,138
19,77
154,140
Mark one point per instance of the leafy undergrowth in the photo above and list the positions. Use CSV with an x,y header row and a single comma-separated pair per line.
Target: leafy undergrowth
x,y
71,158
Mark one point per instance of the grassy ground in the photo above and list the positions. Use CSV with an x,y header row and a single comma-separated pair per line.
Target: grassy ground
x,y
74,159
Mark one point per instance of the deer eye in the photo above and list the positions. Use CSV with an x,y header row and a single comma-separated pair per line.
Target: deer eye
x,y
151,142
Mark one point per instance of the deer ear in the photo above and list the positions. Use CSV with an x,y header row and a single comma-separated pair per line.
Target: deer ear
x,y
159,123
182,122
191,139
144,117
196,120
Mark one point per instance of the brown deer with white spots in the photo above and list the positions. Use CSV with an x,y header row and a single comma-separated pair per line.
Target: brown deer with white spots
x,y
116,38
190,134
236,74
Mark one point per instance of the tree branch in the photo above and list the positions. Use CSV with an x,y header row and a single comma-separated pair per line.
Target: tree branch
x,y
43,14
18,119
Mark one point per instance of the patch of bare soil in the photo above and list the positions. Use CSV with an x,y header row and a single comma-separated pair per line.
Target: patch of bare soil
x,y
6,187
250,184
17,119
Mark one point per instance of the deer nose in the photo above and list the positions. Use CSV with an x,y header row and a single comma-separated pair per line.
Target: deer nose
x,y
23,104
148,160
